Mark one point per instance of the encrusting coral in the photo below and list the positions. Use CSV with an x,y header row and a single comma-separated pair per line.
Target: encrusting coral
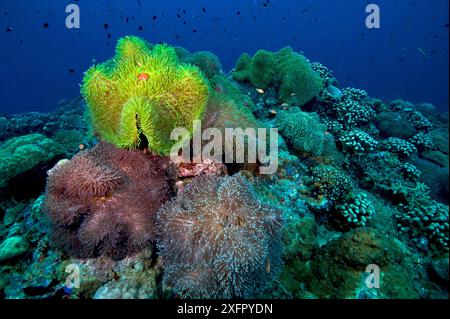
x,y
100,204
217,240
143,91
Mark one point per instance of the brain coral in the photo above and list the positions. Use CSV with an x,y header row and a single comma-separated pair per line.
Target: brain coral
x,y
100,204
142,92
217,240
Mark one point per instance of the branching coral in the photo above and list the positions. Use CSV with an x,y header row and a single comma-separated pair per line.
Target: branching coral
x,y
349,207
355,94
426,219
357,142
100,204
325,74
143,91
329,182
402,148
422,142
420,122
356,210
350,113
410,172
217,240
349,108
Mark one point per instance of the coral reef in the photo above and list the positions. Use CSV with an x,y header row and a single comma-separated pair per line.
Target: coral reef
x,y
217,240
99,204
69,115
361,183
226,108
420,122
422,142
325,74
143,92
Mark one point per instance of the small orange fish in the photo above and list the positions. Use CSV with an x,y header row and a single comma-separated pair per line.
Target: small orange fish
x,y
143,76
81,146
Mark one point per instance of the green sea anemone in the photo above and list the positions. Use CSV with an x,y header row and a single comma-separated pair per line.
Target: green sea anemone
x,y
143,92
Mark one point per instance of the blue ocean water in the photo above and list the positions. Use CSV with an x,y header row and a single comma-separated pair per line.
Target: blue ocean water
x,y
43,61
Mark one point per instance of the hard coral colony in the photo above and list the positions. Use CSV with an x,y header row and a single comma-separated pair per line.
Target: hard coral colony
x,y
356,185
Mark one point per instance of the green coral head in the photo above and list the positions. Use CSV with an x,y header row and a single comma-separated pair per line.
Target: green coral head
x,y
144,92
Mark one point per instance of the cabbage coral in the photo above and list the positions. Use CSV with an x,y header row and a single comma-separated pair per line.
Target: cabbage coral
x,y
100,204
143,92
217,240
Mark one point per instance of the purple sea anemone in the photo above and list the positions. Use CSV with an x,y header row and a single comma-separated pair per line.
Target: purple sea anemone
x,y
217,240
103,201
